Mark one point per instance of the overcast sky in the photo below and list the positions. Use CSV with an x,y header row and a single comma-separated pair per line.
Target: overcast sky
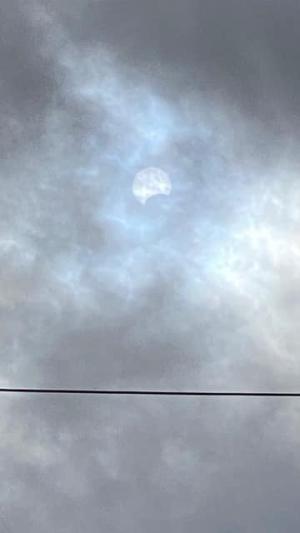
x,y
198,289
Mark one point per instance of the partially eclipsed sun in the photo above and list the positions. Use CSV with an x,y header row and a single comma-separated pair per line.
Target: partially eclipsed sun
x,y
150,182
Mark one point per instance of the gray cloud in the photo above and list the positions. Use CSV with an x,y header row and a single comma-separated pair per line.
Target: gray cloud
x,y
195,290
28,79
235,51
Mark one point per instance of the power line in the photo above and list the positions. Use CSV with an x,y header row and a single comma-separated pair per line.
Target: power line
x,y
136,392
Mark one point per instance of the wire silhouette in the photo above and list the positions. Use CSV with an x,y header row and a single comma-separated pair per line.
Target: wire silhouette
x,y
141,392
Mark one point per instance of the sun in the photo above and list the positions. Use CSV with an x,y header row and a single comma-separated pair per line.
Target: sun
x,y
149,182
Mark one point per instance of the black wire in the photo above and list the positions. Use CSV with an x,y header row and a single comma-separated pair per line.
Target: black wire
x,y
132,392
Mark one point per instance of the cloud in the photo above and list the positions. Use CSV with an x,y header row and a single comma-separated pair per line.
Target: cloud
x,y
238,52
194,290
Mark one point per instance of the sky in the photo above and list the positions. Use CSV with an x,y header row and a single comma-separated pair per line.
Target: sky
x,y
196,289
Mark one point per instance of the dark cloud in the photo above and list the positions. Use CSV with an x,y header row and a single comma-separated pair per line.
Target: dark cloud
x,y
245,53
130,463
28,78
